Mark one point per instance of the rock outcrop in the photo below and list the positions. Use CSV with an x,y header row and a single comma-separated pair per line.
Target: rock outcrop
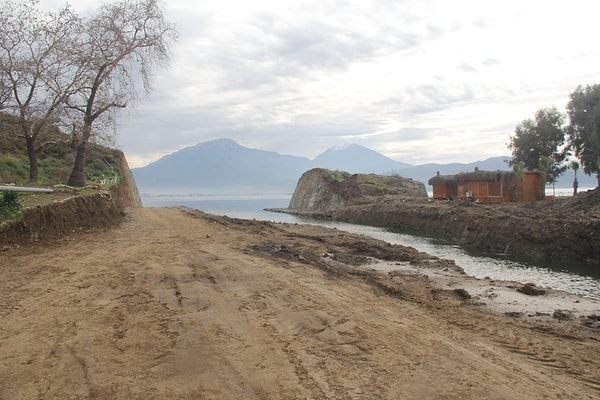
x,y
321,189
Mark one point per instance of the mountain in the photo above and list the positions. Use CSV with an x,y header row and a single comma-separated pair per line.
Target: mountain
x,y
354,158
223,167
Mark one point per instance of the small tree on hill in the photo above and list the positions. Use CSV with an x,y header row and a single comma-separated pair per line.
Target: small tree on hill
x,y
539,143
584,129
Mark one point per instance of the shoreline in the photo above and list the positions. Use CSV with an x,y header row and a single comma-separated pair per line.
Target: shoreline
x,y
503,267
541,306
565,229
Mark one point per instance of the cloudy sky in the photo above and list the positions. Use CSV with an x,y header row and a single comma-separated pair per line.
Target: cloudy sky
x,y
419,81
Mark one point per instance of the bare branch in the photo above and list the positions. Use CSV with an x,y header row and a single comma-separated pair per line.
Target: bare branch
x,y
121,43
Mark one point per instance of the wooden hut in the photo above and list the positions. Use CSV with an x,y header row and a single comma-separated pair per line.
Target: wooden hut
x,y
444,186
489,186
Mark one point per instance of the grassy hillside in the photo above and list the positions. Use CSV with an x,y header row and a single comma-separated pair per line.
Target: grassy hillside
x,y
55,161
55,158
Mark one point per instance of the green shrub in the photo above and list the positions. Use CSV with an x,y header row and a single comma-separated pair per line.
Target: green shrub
x,y
10,208
338,176
10,199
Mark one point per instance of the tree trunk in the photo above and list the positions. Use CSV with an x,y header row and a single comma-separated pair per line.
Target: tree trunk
x,y
541,195
33,162
77,177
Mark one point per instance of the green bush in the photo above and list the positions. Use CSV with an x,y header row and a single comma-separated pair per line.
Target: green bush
x,y
10,208
338,176
10,199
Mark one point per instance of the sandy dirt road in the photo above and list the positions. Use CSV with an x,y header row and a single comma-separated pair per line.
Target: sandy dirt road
x,y
175,304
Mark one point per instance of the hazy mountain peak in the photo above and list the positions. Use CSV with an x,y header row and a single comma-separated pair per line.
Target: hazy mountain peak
x,y
224,143
341,147
355,158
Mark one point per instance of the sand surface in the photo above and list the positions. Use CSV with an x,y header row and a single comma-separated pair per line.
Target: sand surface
x,y
175,304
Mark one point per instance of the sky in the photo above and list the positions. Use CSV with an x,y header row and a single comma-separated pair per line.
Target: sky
x,y
419,81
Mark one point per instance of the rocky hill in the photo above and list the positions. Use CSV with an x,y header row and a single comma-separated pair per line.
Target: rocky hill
x,y
323,189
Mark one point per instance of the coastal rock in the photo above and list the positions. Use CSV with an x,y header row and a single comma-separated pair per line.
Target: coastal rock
x,y
321,189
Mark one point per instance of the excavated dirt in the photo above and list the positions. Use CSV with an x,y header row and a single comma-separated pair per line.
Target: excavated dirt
x,y
562,229
174,303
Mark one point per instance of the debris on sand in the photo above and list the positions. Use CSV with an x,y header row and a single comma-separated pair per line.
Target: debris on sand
x,y
531,289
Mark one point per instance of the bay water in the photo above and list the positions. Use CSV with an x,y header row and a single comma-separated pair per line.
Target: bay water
x,y
573,278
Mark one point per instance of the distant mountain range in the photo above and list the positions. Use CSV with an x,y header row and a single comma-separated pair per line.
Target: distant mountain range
x,y
357,159
223,167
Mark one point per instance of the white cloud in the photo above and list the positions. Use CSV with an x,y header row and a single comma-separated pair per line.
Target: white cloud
x,y
421,81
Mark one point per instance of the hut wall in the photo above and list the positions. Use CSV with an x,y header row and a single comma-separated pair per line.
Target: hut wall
x,y
530,187
444,192
462,191
491,187
487,191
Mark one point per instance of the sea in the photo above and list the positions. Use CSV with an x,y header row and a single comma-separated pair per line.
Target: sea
x,y
578,279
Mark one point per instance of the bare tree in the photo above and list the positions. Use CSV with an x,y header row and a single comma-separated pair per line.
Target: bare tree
x,y
34,66
116,54
5,89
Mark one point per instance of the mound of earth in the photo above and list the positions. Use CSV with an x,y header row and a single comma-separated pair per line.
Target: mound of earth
x,y
323,189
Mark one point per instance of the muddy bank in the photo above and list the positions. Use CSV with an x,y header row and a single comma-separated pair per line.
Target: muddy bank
x,y
562,229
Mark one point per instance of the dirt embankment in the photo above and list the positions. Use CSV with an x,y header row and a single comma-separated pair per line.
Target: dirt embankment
x,y
561,229
178,304
75,214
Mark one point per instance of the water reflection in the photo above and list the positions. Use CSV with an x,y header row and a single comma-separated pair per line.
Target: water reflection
x,y
481,266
